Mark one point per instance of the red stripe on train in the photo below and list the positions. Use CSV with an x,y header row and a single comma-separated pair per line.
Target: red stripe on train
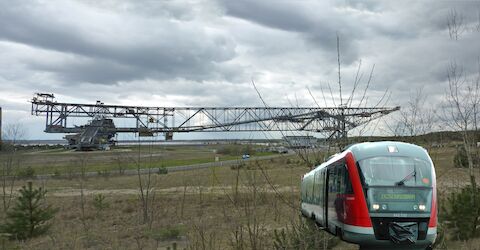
x,y
356,210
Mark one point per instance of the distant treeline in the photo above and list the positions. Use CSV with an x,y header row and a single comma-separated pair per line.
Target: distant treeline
x,y
434,138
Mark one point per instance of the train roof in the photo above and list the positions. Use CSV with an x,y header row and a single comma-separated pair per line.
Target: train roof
x,y
366,150
387,148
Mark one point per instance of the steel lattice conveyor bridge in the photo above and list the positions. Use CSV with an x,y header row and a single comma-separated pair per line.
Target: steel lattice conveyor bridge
x,y
168,120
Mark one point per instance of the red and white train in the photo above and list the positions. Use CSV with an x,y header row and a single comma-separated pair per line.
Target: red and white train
x,y
375,194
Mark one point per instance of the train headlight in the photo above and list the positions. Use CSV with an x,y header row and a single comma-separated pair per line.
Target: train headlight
x,y
384,207
376,206
421,207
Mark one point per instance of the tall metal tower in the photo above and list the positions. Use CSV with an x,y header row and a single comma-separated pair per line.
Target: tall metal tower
x,y
335,122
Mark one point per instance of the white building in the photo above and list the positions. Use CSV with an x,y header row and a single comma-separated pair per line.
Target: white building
x,y
300,141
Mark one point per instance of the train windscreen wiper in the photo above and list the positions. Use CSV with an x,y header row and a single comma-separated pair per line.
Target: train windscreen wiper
x,y
408,177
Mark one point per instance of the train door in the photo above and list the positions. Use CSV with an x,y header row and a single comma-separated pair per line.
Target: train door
x,y
320,197
332,187
338,187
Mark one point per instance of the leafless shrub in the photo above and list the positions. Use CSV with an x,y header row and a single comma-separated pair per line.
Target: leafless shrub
x,y
81,165
415,118
455,24
202,237
302,233
184,195
122,162
146,185
11,161
249,230
460,108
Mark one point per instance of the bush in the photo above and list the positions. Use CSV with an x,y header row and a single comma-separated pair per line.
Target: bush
x,y
227,150
461,161
128,210
162,170
303,234
461,213
167,233
26,172
235,150
248,149
440,240
30,215
170,233
56,173
237,166
103,173
99,202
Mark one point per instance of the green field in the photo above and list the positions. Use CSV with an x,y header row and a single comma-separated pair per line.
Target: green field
x,y
66,162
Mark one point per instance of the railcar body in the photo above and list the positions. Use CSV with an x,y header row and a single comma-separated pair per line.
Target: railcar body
x,y
375,194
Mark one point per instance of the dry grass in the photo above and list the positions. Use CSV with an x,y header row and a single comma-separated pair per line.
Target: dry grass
x,y
213,207
198,209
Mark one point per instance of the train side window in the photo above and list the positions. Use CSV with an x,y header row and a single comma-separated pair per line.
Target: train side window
x,y
324,185
334,179
331,180
313,188
340,179
348,183
318,187
307,190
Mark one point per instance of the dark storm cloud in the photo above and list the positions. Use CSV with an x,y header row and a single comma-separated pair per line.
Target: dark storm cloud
x,y
205,53
163,49
275,14
93,71
317,24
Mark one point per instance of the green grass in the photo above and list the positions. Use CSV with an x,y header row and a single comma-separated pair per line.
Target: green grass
x,y
264,153
39,170
65,162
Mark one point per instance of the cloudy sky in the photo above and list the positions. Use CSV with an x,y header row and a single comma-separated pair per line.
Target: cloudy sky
x,y
205,53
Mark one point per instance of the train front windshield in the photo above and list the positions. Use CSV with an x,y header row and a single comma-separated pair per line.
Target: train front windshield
x,y
397,184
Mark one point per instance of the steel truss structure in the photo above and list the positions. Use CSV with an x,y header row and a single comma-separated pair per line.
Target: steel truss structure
x,y
335,121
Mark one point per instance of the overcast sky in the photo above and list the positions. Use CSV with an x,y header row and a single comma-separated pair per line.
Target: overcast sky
x,y
205,53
